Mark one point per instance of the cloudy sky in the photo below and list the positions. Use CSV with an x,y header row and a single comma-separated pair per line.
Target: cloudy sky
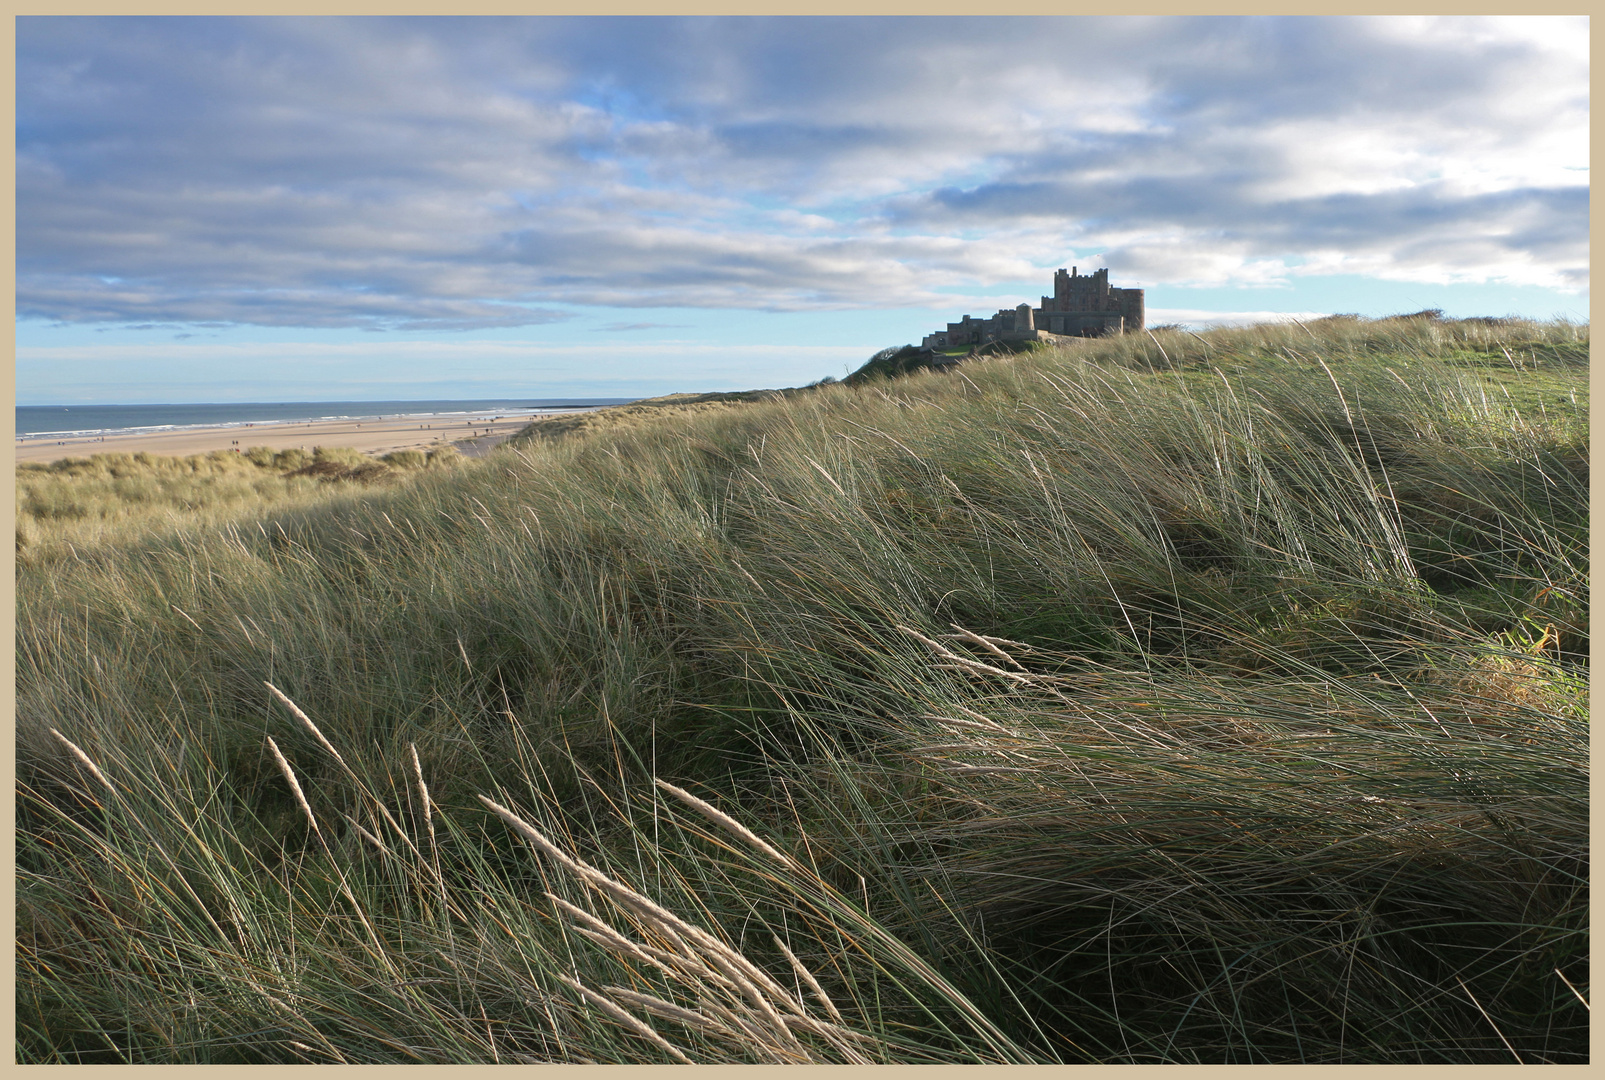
x,y
327,209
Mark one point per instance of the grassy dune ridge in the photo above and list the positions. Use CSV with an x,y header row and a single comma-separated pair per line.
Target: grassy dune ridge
x,y
1172,697
79,502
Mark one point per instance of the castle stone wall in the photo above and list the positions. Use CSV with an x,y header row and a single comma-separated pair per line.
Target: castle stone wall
x,y
1081,306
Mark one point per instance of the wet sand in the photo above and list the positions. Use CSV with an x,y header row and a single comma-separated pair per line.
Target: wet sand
x,y
474,435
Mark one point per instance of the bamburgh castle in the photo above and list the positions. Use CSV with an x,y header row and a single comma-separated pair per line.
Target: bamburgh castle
x,y
1079,307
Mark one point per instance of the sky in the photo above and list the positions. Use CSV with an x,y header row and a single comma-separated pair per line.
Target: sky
x,y
288,209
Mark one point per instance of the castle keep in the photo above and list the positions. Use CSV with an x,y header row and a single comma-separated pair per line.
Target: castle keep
x,y
1079,307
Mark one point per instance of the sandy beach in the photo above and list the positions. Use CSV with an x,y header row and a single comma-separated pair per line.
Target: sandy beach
x,y
473,435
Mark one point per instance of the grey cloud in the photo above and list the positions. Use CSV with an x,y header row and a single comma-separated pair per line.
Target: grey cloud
x,y
1221,202
1218,70
1217,203
669,267
72,300
469,173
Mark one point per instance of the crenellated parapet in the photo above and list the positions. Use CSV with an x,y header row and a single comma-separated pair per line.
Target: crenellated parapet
x,y
1081,306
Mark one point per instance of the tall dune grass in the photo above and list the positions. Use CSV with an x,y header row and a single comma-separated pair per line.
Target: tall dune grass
x,y
76,503
1165,698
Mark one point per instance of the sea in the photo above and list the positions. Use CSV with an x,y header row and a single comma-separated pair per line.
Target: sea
x,y
78,421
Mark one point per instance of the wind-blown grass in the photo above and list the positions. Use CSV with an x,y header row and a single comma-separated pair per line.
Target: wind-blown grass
x,y
77,503
1162,698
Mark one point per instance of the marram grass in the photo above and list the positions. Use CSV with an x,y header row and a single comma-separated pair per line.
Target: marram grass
x,y
1170,698
80,503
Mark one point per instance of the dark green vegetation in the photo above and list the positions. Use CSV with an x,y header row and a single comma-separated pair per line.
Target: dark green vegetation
x,y
906,360
894,363
1182,698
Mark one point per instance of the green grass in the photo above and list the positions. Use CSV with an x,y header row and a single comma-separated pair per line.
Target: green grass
x,y
77,503
1184,698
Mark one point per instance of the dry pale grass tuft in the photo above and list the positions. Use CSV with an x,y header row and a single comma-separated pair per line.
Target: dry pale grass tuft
x,y
1171,698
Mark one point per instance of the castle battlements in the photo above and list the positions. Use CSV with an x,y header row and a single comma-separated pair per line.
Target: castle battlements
x,y
1079,307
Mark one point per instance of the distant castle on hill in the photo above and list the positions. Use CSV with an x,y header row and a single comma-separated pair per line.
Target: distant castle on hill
x,y
1079,307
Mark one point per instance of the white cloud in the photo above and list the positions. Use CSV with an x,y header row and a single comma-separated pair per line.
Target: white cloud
x,y
410,351
1199,319
473,173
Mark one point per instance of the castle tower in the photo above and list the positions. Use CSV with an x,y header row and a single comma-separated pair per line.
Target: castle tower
x,y
1081,306
1134,309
